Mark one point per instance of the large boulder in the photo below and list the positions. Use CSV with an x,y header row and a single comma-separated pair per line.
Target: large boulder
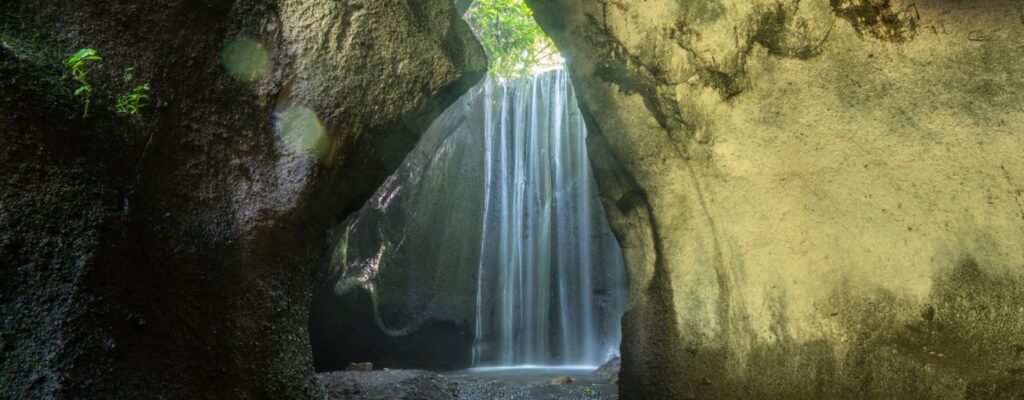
x,y
172,254
815,199
404,270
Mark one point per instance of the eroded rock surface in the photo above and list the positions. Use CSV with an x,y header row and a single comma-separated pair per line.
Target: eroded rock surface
x,y
171,255
815,199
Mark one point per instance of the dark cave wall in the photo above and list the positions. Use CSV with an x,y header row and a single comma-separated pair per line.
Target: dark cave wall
x,y
814,199
173,254
343,330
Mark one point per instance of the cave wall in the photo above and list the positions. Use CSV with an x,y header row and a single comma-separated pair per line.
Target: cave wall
x,y
173,254
815,199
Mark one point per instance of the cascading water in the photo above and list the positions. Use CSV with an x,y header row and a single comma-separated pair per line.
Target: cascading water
x,y
549,288
490,238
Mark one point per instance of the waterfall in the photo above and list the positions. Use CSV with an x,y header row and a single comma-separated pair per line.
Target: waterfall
x,y
550,281
491,230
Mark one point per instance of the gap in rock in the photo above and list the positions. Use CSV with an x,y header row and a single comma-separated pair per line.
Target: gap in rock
x,y
488,251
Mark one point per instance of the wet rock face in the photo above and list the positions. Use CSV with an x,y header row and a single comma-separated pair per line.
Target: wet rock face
x,y
417,243
814,199
176,250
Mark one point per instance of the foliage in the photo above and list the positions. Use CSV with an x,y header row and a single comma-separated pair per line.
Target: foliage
x,y
133,101
513,41
78,65
130,103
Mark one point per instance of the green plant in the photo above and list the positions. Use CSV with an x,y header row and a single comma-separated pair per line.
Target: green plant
x,y
133,101
514,42
78,65
128,104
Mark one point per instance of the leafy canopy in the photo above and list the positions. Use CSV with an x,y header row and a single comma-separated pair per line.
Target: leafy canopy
x,y
513,41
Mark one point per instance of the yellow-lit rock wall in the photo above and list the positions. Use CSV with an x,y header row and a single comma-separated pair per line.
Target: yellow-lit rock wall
x,y
816,199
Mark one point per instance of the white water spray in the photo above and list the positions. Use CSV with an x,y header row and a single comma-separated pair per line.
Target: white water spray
x,y
550,280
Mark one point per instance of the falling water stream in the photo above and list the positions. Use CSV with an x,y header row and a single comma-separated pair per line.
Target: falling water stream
x,y
547,291
494,220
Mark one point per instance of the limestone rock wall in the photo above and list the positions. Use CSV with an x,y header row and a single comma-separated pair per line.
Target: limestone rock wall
x,y
172,255
815,199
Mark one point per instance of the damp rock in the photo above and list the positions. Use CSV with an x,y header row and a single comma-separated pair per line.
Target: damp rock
x,y
609,371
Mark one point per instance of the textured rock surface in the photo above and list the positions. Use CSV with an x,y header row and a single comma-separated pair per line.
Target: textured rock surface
x,y
815,199
172,255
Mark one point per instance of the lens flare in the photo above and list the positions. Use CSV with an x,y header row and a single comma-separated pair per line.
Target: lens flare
x,y
245,59
300,130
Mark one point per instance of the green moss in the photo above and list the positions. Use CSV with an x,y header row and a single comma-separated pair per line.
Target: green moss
x,y
34,64
36,75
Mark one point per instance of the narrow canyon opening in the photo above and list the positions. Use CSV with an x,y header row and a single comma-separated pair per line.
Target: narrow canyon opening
x,y
488,250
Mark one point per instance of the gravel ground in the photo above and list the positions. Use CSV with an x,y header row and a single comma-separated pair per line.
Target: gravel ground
x,y
525,384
